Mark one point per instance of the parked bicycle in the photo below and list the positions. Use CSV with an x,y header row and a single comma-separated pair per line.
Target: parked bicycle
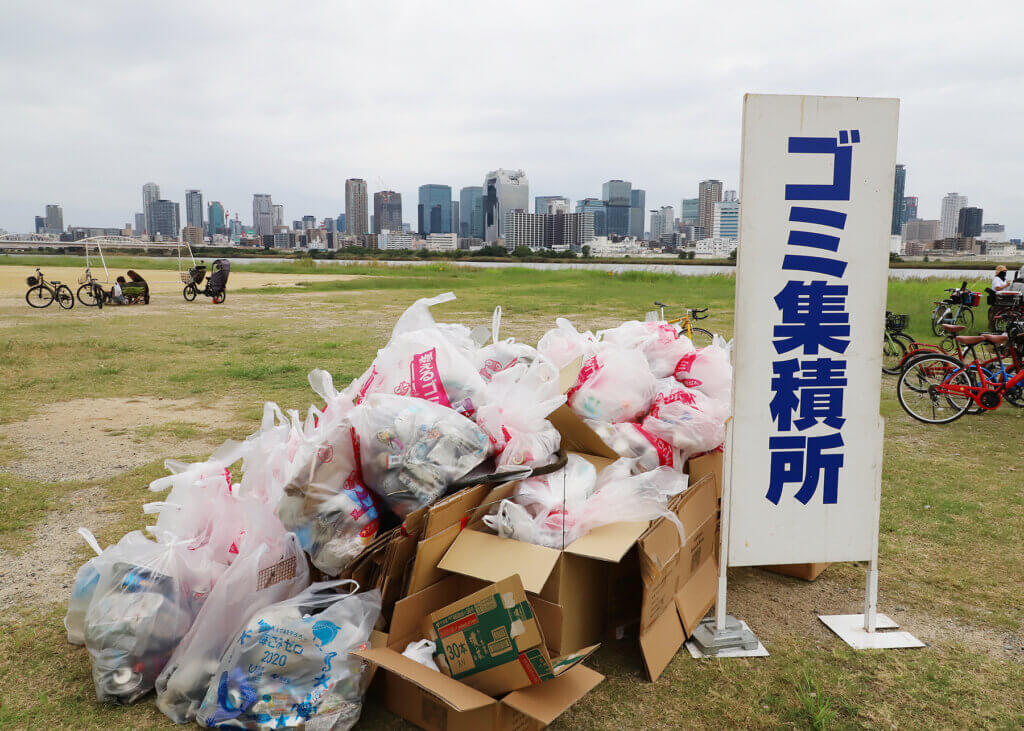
x,y
1003,308
895,342
698,335
956,309
42,293
939,388
90,293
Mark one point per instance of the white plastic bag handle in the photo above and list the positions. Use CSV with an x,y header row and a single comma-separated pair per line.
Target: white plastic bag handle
x,y
496,323
158,507
272,411
323,384
90,539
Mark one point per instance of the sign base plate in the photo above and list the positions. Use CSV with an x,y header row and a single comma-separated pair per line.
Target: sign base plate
x,y
737,640
850,628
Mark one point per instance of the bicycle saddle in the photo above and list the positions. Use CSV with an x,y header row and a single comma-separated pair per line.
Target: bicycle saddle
x,y
953,328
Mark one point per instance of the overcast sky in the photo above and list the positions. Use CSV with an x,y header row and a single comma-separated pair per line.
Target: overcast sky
x,y
238,98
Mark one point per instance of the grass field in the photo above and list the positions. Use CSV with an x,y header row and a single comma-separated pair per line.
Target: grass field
x,y
99,389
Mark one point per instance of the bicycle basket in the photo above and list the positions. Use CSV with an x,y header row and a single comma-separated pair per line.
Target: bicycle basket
x,y
186,277
32,281
896,323
975,298
84,279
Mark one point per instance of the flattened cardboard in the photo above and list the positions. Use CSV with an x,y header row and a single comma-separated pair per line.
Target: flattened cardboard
x,y
451,510
490,558
805,571
425,569
660,642
707,464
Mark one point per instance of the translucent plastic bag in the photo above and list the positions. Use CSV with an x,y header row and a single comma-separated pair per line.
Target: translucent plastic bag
x,y
422,652
499,355
426,365
564,343
140,610
689,420
411,450
632,441
614,385
564,490
264,574
265,462
708,370
290,663
514,415
661,343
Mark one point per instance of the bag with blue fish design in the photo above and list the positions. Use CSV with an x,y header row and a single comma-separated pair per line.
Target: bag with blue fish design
x,y
290,666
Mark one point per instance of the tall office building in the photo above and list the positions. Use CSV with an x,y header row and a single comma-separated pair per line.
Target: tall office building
x,y
150,194
387,211
969,221
709,194
897,200
434,212
730,195
503,191
618,198
357,222
339,222
600,214
215,218
949,218
194,208
165,218
726,224
54,219
909,208
689,212
551,204
471,212
40,224
278,214
455,216
262,214
308,222
662,222
638,199
140,224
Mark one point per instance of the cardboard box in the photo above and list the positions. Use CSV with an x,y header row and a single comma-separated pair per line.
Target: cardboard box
x,y
435,701
491,640
805,571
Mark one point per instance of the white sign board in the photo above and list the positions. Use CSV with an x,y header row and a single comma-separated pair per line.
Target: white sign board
x,y
805,452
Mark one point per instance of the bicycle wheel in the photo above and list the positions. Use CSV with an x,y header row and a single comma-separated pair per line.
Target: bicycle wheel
x,y
965,317
701,338
1000,320
905,339
893,351
65,298
190,292
918,389
99,295
87,295
39,296
938,317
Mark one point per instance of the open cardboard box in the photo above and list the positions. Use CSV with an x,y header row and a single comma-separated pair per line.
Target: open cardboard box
x,y
433,700
582,579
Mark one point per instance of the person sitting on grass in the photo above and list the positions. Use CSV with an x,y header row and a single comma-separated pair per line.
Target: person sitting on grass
x,y
116,295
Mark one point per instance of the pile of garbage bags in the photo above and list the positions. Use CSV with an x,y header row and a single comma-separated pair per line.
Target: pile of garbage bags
x,y
217,606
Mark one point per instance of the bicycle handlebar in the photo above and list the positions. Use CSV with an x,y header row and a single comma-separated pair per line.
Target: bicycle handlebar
x,y
696,313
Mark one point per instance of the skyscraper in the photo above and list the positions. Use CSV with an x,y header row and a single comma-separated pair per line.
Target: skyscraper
x,y
969,221
455,216
165,218
503,191
194,208
387,211
40,224
600,214
897,200
709,194
726,223
909,208
689,212
618,198
150,194
434,212
730,195
278,217
662,222
551,204
339,222
638,199
262,214
471,212
949,218
215,218
308,222
140,224
357,221
54,219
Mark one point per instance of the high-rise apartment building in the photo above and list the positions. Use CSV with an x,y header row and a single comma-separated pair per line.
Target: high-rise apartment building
x,y
357,217
921,230
434,212
278,215
709,194
54,219
165,218
150,194
503,191
949,217
599,211
659,223
730,195
262,214
618,198
726,224
546,230
899,185
471,212
909,208
194,208
969,221
387,211
193,235
215,218
638,199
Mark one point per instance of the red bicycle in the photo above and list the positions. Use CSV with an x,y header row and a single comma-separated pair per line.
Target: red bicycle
x,y
939,388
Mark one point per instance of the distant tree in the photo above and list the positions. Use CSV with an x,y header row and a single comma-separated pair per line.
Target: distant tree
x,y
586,251
926,257
732,255
893,256
522,251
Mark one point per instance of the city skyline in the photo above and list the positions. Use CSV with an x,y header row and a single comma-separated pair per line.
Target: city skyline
x,y
80,133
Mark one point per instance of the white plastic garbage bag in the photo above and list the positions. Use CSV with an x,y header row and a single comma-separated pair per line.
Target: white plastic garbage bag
x,y
661,343
264,574
708,370
564,343
499,355
689,420
632,441
411,450
614,385
265,462
290,664
422,652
